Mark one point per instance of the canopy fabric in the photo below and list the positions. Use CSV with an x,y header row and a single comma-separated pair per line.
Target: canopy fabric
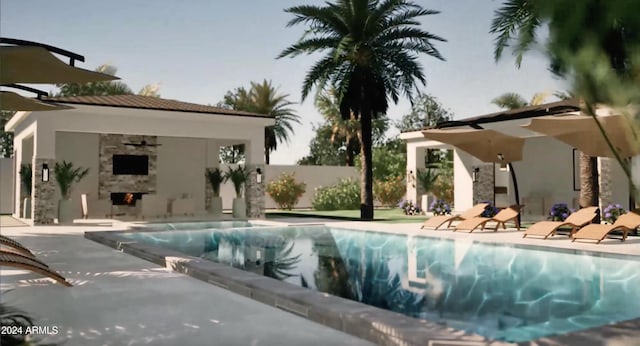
x,y
582,133
486,145
10,101
28,64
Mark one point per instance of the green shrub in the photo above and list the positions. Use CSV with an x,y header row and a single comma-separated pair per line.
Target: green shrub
x,y
286,191
344,195
389,191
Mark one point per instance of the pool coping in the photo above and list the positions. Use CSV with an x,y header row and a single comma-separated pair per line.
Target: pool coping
x,y
370,323
380,326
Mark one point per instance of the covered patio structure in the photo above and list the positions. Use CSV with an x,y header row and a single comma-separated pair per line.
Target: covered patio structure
x,y
180,141
547,173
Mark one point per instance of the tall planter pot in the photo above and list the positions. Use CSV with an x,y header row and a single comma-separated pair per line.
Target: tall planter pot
x,y
65,211
239,210
215,209
26,208
426,202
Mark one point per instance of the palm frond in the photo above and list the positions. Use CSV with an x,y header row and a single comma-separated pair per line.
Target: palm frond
x,y
516,19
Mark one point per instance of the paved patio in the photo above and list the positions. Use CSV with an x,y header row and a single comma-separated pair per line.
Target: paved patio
x,y
118,299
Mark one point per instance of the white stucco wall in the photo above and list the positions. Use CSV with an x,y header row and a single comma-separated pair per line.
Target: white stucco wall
x,y
6,185
181,167
82,150
463,180
545,172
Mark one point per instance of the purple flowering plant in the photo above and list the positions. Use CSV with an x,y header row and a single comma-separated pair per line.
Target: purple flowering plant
x,y
612,212
409,208
560,212
440,207
490,210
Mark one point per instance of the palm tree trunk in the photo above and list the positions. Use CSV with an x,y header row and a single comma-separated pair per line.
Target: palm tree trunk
x,y
589,189
366,176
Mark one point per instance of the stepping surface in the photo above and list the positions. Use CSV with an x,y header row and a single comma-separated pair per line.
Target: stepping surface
x,y
118,299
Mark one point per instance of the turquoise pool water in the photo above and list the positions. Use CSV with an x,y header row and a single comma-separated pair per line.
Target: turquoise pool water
x,y
502,292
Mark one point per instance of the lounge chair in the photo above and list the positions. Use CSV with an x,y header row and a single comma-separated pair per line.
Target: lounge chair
x,y
17,247
625,222
439,220
501,218
576,220
23,262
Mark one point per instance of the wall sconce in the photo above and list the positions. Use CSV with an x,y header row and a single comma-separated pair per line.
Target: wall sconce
x,y
500,157
259,175
475,174
411,179
45,172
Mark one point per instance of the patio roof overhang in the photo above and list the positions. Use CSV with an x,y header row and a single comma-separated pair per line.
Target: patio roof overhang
x,y
486,145
10,101
582,132
36,65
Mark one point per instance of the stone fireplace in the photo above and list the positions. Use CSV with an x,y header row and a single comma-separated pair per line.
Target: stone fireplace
x,y
124,190
126,198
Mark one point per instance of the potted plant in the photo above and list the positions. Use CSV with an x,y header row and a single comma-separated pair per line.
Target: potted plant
x,y
26,178
66,175
427,178
215,178
238,177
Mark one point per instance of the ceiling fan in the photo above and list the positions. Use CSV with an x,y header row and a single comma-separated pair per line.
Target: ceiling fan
x,y
142,143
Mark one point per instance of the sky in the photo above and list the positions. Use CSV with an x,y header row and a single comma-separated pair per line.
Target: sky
x,y
197,50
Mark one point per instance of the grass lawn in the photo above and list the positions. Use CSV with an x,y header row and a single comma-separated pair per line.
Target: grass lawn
x,y
394,215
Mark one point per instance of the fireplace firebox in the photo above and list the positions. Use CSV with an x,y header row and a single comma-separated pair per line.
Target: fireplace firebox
x,y
126,198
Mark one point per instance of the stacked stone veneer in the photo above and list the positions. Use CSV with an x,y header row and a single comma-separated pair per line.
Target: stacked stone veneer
x,y
44,207
255,193
112,144
484,188
605,181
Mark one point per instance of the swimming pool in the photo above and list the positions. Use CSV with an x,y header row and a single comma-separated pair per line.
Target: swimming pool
x,y
503,292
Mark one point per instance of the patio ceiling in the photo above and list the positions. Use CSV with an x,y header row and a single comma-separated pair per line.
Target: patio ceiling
x,y
582,133
486,145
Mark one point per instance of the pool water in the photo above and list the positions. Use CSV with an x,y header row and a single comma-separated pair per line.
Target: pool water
x,y
502,292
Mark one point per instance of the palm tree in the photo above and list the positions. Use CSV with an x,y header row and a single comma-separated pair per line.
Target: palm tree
x,y
514,100
349,129
371,50
265,99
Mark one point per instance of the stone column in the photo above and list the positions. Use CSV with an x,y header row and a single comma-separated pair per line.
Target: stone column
x,y
484,188
44,207
255,192
605,181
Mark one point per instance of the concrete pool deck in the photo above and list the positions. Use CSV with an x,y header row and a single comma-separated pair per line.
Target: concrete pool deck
x,y
121,299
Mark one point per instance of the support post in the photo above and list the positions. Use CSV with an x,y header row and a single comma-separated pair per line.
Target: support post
x,y
516,192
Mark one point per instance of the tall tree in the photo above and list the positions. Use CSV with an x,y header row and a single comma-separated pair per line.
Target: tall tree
x,y
322,150
264,98
371,50
347,131
515,100
426,111
593,43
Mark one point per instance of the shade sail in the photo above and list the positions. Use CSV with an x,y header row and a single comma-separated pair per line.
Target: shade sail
x,y
582,133
28,64
483,144
10,101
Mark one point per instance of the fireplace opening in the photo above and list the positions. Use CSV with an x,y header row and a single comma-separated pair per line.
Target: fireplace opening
x,y
126,198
